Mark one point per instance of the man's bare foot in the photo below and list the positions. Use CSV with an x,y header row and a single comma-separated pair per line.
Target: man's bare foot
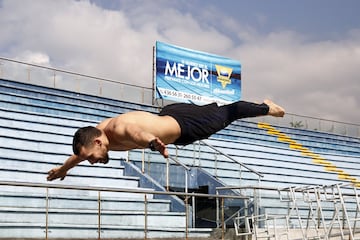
x,y
274,110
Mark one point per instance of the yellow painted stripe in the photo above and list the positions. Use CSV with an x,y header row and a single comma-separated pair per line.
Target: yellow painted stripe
x,y
351,179
334,169
286,139
322,162
303,149
273,132
284,135
316,158
356,182
312,155
296,146
306,152
263,125
343,175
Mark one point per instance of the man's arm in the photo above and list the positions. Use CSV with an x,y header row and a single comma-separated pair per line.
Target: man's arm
x,y
145,139
60,172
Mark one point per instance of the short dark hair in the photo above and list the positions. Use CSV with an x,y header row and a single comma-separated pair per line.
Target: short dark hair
x,y
83,137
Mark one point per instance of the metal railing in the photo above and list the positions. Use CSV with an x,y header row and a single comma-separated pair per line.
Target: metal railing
x,y
216,152
197,149
313,212
101,190
231,158
167,169
20,71
110,88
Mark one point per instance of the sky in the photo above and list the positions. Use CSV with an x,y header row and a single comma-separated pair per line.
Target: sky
x,y
304,55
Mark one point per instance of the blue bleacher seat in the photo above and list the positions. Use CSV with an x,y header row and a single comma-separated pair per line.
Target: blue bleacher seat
x,y
36,128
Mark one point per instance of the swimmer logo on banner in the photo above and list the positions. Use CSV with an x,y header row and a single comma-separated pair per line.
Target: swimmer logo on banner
x,y
185,75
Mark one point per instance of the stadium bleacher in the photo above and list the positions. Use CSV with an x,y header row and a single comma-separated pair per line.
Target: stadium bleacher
x,y
36,128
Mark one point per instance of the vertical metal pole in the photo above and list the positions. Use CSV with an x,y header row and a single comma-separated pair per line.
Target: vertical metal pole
x,y
145,215
217,210
256,203
167,174
246,214
176,152
28,73
54,79
357,210
186,181
100,88
193,211
143,161
240,172
222,219
153,77
216,165
47,215
143,96
186,216
127,156
99,215
257,196
194,154
345,213
78,85
148,162
1,70
199,154
346,130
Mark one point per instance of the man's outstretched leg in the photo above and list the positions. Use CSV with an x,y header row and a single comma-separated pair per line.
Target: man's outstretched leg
x,y
200,122
243,109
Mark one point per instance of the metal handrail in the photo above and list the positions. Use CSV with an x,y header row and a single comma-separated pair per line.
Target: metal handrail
x,y
187,169
111,189
71,72
231,158
179,163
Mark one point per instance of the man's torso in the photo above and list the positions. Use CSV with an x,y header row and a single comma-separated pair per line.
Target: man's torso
x,y
164,127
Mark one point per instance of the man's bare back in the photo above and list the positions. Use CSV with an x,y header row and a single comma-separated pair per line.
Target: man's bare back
x,y
136,129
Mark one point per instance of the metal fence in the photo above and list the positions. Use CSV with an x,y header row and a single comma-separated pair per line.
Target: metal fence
x,y
101,190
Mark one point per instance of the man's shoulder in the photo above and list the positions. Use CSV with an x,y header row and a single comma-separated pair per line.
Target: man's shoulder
x,y
102,125
134,115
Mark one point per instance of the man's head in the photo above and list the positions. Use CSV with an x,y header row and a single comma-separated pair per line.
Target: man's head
x,y
88,144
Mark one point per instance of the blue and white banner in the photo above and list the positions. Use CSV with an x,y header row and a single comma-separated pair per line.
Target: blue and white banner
x,y
185,75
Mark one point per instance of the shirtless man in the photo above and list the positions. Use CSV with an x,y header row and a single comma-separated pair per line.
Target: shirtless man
x,y
180,124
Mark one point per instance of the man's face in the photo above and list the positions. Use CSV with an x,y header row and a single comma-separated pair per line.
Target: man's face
x,y
96,153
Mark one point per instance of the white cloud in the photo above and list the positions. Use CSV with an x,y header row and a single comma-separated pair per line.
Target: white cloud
x,y
318,79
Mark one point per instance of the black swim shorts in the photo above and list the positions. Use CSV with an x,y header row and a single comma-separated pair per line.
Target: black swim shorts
x,y
196,122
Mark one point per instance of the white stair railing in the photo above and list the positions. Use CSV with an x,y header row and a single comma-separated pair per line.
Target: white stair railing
x,y
314,212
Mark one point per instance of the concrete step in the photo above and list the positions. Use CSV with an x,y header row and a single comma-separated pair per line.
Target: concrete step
x,y
118,232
